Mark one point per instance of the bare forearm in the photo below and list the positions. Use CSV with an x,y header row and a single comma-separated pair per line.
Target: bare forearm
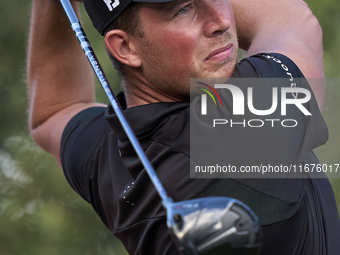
x,y
58,74
270,24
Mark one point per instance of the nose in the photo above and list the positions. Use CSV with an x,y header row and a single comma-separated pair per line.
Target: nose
x,y
217,17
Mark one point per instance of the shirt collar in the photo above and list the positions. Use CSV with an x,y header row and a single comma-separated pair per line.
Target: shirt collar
x,y
143,119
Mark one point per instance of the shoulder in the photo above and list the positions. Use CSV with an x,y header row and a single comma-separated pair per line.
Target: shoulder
x,y
267,65
277,65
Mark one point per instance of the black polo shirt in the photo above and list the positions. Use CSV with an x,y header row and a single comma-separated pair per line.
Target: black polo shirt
x,y
298,216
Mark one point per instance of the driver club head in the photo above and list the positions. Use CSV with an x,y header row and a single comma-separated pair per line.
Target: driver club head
x,y
214,225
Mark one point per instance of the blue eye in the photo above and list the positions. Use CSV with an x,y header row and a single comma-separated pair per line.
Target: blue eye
x,y
184,10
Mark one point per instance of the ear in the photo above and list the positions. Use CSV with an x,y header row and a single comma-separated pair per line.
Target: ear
x,y
122,47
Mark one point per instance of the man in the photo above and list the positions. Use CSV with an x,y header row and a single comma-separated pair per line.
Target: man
x,y
158,47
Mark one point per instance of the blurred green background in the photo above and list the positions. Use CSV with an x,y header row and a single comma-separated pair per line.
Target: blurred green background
x,y
39,212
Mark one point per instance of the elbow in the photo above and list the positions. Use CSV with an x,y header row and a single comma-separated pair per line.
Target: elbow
x,y
316,43
38,137
35,128
312,31
316,29
47,140
41,132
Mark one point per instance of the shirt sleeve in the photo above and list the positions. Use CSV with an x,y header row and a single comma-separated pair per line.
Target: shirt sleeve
x,y
80,138
275,65
267,65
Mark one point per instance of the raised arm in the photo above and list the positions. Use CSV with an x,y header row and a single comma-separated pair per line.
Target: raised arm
x,y
60,80
283,26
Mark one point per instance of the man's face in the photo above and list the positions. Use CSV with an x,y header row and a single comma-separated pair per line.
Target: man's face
x,y
186,39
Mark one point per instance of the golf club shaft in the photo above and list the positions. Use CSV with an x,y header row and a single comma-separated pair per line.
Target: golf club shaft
x,y
84,42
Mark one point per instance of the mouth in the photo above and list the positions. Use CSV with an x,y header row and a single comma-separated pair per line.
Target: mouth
x,y
221,53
